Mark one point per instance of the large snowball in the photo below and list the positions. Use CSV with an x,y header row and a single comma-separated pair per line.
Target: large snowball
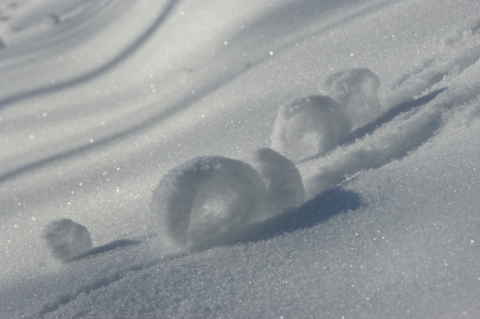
x,y
281,178
309,126
356,90
208,201
66,239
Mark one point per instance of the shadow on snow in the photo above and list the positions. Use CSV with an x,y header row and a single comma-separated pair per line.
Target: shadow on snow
x,y
107,247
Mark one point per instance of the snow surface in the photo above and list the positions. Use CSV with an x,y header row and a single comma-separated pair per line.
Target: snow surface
x,y
104,103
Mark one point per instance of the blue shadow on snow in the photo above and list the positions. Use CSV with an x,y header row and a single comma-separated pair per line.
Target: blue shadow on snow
x,y
107,247
325,205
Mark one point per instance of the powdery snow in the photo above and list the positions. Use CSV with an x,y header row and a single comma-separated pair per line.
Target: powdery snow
x,y
149,124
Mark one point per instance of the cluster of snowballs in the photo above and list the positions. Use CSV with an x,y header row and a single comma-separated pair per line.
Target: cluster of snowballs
x,y
212,200
314,125
209,201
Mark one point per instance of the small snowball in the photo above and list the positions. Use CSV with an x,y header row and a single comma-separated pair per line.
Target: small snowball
x,y
208,201
356,90
309,126
281,178
66,239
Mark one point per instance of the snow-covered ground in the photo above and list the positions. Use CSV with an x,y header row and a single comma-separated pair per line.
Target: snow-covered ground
x,y
143,128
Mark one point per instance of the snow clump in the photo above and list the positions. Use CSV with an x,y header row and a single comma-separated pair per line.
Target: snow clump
x,y
356,91
309,126
66,239
282,180
208,201
212,200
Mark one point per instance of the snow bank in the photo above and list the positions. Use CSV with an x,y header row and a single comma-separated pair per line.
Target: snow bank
x,y
356,90
309,126
66,239
282,180
208,201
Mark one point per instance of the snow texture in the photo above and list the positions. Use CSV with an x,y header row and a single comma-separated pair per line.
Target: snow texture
x,y
357,92
92,116
208,201
66,239
281,178
309,126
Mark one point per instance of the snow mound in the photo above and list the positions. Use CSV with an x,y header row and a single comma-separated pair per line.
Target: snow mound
x,y
281,178
208,201
66,239
309,126
356,91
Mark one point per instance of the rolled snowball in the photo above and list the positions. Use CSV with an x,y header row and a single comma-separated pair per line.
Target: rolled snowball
x,y
208,201
309,126
356,90
282,179
66,239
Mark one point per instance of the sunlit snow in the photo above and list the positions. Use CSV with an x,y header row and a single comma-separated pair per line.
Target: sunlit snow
x,y
239,159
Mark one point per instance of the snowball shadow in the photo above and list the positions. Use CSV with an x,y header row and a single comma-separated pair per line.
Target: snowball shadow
x,y
389,115
325,205
106,248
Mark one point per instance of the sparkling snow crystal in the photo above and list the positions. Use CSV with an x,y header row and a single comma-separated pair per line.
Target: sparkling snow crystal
x,y
66,239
